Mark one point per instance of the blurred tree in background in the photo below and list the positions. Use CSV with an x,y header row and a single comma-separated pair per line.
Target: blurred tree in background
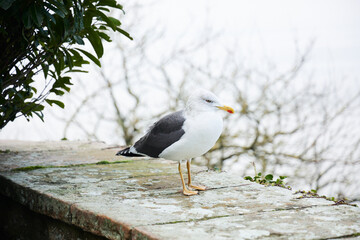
x,y
285,124
43,36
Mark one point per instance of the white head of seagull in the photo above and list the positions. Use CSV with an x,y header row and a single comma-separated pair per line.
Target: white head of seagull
x,y
203,100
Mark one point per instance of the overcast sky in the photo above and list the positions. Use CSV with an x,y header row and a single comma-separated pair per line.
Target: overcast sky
x,y
259,29
270,28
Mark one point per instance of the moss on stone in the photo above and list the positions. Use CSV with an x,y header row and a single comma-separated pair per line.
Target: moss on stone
x,y
5,151
107,162
30,168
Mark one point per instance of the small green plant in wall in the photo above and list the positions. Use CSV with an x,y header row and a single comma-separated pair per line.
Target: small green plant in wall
x,y
267,180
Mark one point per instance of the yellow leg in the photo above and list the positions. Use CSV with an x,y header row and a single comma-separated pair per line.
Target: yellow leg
x,y
186,191
201,188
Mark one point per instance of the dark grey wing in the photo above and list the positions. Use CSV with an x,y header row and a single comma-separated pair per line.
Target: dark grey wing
x,y
161,135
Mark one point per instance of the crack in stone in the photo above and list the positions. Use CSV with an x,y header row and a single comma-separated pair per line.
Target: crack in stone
x,y
341,237
232,215
69,218
231,186
208,189
192,220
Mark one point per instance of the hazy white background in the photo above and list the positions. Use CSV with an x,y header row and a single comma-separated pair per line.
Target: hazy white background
x,y
260,30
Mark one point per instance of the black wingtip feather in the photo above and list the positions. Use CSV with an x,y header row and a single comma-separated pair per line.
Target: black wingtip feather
x,y
126,152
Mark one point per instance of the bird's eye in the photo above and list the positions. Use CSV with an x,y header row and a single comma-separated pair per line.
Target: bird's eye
x,y
208,100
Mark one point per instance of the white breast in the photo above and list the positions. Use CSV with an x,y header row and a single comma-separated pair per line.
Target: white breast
x,y
201,133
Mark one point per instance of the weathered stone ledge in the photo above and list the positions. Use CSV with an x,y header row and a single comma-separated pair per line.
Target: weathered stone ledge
x,y
85,185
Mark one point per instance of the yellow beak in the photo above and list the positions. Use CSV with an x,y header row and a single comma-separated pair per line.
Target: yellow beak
x,y
227,108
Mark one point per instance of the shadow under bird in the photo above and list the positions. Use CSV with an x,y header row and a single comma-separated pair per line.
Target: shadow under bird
x,y
184,134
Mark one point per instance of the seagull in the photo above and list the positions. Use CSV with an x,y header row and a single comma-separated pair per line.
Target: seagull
x,y
184,134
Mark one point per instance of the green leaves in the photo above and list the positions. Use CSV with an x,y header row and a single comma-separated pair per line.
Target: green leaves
x,y
89,55
51,102
58,10
44,36
124,33
61,83
110,3
269,177
37,14
5,4
96,43
58,7
268,180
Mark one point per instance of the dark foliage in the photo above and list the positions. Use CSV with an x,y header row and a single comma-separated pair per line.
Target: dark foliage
x,y
44,36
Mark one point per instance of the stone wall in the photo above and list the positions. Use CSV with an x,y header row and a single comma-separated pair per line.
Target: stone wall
x,y
50,189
